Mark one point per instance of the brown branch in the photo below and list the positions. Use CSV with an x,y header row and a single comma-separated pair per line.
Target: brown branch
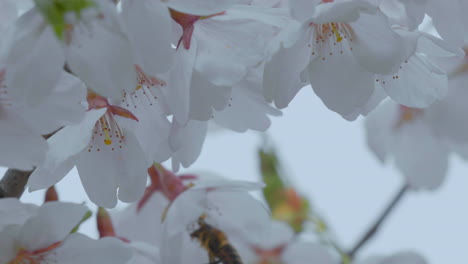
x,y
375,227
13,182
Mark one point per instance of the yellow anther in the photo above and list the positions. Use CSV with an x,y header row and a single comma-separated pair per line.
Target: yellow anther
x,y
338,36
107,141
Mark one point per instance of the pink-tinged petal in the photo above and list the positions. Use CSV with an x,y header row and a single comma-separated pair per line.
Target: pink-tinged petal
x,y
187,142
302,252
420,156
101,55
24,147
53,222
27,78
78,249
340,82
15,212
105,168
376,46
122,112
206,97
418,82
380,125
152,44
64,147
290,56
8,242
177,91
200,7
61,108
246,109
302,10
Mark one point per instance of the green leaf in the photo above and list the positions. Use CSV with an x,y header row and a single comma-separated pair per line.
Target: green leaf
x,y
269,167
54,12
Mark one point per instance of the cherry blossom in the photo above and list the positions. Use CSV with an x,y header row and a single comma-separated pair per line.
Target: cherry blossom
x,y
414,136
225,205
99,150
44,237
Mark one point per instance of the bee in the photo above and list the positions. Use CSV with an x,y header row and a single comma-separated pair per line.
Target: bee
x,y
216,243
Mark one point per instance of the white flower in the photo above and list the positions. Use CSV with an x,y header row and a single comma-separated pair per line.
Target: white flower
x,y
420,140
101,150
45,237
338,48
24,124
224,205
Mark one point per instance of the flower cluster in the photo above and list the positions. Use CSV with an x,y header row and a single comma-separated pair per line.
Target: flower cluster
x,y
115,88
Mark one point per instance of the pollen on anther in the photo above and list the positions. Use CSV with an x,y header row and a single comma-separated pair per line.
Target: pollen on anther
x,y
107,141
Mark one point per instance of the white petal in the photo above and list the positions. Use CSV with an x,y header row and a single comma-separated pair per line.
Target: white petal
x,y
23,147
64,147
8,242
187,142
101,56
447,18
302,10
144,225
62,107
103,171
177,91
241,42
27,78
380,125
247,109
281,80
151,43
420,156
53,222
418,82
448,118
205,97
79,249
376,46
15,212
341,83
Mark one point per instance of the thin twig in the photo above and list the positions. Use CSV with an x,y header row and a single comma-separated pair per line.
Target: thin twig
x,y
13,182
375,227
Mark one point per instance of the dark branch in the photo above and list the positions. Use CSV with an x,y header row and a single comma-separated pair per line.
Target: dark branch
x,y
13,182
375,227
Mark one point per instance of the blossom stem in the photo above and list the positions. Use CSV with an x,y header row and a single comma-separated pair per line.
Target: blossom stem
x,y
13,182
375,227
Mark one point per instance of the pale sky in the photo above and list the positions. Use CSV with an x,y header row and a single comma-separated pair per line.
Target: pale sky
x,y
329,161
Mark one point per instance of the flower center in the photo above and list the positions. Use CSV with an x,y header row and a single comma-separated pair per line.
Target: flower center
x,y
328,38
35,257
407,115
107,130
143,93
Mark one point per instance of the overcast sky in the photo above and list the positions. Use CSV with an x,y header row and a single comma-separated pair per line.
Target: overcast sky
x,y
329,161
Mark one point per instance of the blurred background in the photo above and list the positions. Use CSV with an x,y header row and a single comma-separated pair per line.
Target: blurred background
x,y
328,161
